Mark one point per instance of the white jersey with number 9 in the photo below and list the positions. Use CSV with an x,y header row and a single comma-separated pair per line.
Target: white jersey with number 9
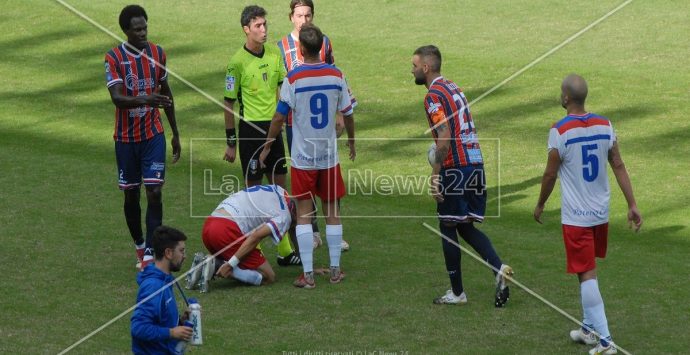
x,y
314,93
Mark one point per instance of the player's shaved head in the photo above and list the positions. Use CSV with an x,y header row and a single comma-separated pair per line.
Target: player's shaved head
x,y
431,56
310,39
574,87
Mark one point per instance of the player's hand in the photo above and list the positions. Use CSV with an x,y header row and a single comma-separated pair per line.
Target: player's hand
x,y
176,148
158,100
538,210
263,156
436,192
351,145
181,333
634,218
224,271
230,154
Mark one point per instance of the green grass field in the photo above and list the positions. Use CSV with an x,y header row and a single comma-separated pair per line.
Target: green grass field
x,y
67,254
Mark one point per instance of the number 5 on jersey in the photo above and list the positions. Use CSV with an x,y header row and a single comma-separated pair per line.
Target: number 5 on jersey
x,y
590,163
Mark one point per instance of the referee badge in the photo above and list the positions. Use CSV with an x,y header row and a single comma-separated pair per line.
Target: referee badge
x,y
265,76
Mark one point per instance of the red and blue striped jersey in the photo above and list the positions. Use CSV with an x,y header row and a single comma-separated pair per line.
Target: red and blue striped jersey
x,y
292,57
140,76
445,101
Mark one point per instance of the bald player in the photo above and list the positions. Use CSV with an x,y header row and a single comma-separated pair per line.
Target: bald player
x,y
579,144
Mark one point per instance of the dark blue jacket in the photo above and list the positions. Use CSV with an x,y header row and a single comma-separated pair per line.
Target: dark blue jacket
x,y
152,320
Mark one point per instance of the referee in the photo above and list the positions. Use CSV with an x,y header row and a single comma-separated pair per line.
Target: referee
x,y
253,79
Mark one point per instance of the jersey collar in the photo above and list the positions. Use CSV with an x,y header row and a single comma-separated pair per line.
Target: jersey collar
x,y
260,55
435,80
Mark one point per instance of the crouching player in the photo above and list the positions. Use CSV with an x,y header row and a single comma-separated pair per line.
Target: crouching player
x,y
233,232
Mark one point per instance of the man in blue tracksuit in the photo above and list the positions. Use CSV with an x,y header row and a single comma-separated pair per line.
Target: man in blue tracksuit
x,y
155,324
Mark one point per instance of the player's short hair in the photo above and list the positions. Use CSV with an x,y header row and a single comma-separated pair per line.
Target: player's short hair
x,y
165,237
130,12
251,12
311,38
431,55
295,3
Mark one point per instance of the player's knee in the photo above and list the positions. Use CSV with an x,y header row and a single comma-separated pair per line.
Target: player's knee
x,y
587,275
465,226
449,224
154,194
132,196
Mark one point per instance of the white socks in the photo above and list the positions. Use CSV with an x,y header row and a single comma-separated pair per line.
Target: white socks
x,y
251,277
334,237
593,306
305,241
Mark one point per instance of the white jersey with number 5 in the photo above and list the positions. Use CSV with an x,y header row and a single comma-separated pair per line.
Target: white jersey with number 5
x,y
256,205
583,143
314,92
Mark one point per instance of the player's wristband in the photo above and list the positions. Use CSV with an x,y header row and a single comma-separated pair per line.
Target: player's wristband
x,y
230,137
234,261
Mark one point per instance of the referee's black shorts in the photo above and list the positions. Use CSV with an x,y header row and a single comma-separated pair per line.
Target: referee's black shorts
x,y
251,143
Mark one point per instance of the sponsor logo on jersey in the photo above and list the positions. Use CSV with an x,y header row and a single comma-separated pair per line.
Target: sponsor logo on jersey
x,y
132,81
229,83
157,166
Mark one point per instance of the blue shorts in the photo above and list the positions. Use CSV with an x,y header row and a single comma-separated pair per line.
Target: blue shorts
x,y
145,158
464,194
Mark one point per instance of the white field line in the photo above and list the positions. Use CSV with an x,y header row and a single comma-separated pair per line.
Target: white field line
x,y
536,61
517,283
170,72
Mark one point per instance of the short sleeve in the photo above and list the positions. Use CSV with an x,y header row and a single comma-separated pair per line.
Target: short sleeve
x,y
287,98
555,141
613,138
434,110
280,225
163,61
282,71
232,80
345,101
112,76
